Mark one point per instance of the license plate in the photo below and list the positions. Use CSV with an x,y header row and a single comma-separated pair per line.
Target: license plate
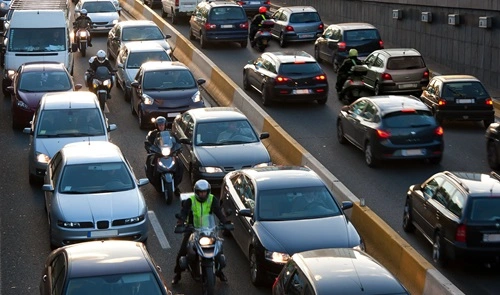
x,y
414,152
306,36
406,86
491,238
172,115
301,91
102,233
464,100
254,2
226,26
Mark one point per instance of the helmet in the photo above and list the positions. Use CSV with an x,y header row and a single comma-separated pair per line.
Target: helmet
x,y
262,9
101,56
201,186
353,53
83,12
160,120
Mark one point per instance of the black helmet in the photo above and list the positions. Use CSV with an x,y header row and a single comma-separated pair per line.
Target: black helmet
x,y
201,186
160,120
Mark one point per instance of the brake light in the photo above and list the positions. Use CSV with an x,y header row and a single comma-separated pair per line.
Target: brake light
x,y
383,134
240,2
244,25
408,110
289,29
441,102
489,101
282,80
341,46
460,235
381,44
386,76
321,26
439,131
267,2
426,74
320,78
176,2
209,26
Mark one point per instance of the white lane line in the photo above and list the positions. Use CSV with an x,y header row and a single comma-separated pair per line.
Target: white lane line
x,y
158,230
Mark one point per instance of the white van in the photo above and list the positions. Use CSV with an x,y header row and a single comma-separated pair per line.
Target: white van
x,y
33,36
178,9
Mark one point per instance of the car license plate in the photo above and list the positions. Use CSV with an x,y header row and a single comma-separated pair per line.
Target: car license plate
x,y
300,91
102,233
414,152
254,2
172,115
491,238
306,35
464,100
226,26
407,86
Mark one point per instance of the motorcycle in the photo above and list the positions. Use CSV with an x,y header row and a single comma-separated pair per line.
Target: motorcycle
x,y
162,167
263,35
101,84
81,39
354,87
204,251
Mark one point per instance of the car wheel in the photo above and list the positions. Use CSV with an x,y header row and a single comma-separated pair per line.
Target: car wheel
x,y
335,65
340,133
322,101
438,253
376,89
266,97
244,44
492,155
407,219
370,159
282,40
33,180
174,17
487,122
256,273
142,123
435,161
316,54
126,94
203,42
246,83
132,110
163,13
191,35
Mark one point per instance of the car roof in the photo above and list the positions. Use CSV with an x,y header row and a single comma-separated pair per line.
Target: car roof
x,y
136,23
99,258
91,152
299,8
399,51
221,3
456,78
348,271
42,66
477,184
68,100
162,65
290,56
353,26
393,103
277,177
138,46
216,114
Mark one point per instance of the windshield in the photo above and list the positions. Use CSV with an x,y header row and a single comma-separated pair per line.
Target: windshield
x,y
300,68
99,7
126,283
36,39
168,80
70,123
95,178
136,59
224,133
44,82
142,33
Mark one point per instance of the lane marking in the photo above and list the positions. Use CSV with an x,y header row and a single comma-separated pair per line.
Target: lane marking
x,y
158,230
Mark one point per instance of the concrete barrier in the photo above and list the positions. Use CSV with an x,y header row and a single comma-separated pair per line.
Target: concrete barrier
x,y
382,242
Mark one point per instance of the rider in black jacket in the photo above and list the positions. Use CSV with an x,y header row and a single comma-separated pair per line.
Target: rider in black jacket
x,y
345,68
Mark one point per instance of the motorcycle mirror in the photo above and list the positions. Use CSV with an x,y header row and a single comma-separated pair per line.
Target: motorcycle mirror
x,y
245,212
185,140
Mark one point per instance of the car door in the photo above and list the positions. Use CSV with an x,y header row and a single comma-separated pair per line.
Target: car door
x,y
374,63
279,22
437,207
419,202
54,275
114,37
52,177
352,121
197,20
121,65
368,122
323,44
136,95
254,72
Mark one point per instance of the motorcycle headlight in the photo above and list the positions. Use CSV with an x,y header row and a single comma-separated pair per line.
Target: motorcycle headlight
x,y
165,150
147,99
21,104
196,97
206,241
211,169
95,83
277,257
3,5
107,83
42,158
82,34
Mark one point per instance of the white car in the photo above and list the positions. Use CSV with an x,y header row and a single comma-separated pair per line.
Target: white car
x,y
103,13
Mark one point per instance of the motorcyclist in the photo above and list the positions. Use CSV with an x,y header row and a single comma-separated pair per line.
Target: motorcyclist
x,y
345,68
96,61
256,23
161,125
201,203
83,22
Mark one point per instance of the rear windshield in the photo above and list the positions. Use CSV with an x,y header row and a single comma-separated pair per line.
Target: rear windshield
x,y
300,68
485,209
305,17
361,35
409,119
405,63
464,89
227,13
136,59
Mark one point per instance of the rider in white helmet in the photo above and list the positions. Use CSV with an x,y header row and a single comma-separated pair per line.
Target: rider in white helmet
x,y
96,61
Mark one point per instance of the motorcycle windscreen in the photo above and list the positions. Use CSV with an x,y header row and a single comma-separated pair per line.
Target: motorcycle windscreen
x,y
102,73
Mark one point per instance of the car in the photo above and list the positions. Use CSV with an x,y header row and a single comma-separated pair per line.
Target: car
x,y
219,21
282,210
164,88
63,118
4,7
211,148
130,58
30,82
396,71
286,76
334,44
459,97
252,6
296,24
493,145
103,13
178,9
344,270
390,127
152,3
102,267
128,31
458,213
91,193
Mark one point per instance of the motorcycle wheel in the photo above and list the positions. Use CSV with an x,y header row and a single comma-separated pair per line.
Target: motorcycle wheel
x,y
83,51
168,192
262,47
102,101
208,277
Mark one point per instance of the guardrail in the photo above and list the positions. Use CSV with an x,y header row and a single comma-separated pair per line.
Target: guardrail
x,y
382,242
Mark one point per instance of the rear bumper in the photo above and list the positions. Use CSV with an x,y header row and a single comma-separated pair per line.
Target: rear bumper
x,y
470,115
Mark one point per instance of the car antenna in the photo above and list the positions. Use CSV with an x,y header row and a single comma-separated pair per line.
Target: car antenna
x,y
359,279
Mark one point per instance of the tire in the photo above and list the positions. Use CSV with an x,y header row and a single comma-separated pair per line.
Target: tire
x,y
435,161
316,54
164,14
256,274
168,193
438,252
322,101
335,65
487,122
83,51
340,133
246,83
282,41
174,18
132,110
6,92
203,42
370,159
376,89
191,35
142,123
407,218
492,155
266,99
244,44
102,102
208,277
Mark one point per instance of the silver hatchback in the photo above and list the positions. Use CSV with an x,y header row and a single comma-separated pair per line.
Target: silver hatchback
x,y
296,24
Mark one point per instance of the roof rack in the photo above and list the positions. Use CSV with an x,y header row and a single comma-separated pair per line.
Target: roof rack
x,y
452,175
39,5
495,175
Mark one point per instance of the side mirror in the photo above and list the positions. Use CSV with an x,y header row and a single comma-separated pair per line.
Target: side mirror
x,y
27,130
142,181
346,205
184,140
345,108
135,84
47,188
10,89
119,65
168,36
112,127
78,87
201,81
264,135
245,212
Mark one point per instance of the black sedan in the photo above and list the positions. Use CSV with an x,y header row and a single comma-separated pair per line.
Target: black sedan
x,y
282,210
102,267
391,127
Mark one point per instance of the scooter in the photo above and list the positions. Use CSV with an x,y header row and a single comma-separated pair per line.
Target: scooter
x,y
354,87
204,251
82,38
263,35
102,82
162,167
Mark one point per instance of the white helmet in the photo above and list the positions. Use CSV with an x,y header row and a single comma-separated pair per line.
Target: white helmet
x,y
101,56
83,12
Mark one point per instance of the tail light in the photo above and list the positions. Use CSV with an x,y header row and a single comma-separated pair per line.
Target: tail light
x,y
276,282
386,76
267,2
176,2
289,29
439,131
382,134
441,102
426,75
460,234
282,80
321,27
489,101
381,44
320,78
244,25
240,2
341,46
209,26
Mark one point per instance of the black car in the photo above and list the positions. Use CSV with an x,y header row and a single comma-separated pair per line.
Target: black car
x,y
219,21
391,127
164,88
286,76
102,267
282,210
220,140
459,213
334,44
459,97
493,145
343,270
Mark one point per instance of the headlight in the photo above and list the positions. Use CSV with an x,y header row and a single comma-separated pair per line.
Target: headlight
x,y
206,241
42,158
210,170
68,224
82,34
196,97
147,99
95,83
277,257
165,151
134,219
3,5
21,104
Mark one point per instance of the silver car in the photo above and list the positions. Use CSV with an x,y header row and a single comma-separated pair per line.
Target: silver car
x,y
103,13
91,193
296,24
130,58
